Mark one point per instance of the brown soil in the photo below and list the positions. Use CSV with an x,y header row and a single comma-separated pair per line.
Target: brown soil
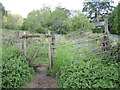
x,y
42,80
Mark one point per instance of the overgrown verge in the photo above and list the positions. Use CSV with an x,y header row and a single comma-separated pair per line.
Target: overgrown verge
x,y
90,73
100,71
15,70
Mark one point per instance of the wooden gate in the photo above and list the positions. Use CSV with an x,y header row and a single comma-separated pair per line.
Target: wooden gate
x,y
51,41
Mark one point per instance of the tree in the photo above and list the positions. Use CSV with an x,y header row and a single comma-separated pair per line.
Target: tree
x,y
58,20
98,10
44,19
81,23
114,21
38,20
24,26
12,21
2,9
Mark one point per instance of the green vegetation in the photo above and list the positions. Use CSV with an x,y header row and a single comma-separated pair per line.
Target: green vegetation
x,y
114,19
17,21
89,73
60,21
99,71
15,70
98,10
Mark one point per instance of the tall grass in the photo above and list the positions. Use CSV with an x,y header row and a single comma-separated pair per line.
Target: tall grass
x,y
64,56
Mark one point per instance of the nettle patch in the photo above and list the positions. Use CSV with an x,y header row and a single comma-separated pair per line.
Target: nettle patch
x,y
90,73
15,70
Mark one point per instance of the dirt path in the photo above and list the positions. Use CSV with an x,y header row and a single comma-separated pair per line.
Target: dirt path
x,y
42,80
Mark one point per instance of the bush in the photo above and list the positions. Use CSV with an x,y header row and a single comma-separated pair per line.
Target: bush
x,y
15,70
90,73
116,52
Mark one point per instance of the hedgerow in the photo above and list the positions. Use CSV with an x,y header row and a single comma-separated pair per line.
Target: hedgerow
x,y
15,69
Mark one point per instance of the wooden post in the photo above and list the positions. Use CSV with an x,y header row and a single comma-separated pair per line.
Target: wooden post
x,y
1,48
25,44
18,44
106,36
78,45
49,49
53,49
106,27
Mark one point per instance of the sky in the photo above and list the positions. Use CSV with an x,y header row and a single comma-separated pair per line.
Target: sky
x,y
23,7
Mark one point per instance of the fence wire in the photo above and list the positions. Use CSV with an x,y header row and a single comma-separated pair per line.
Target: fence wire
x,y
95,54
79,42
85,46
91,49
9,41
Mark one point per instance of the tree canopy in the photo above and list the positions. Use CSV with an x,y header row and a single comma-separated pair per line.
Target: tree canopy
x,y
2,9
114,20
58,21
97,11
12,21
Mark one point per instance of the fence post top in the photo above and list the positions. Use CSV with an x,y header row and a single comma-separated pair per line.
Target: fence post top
x,y
24,33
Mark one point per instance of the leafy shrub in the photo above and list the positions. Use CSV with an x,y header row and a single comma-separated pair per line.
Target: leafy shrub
x,y
15,70
90,73
116,52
